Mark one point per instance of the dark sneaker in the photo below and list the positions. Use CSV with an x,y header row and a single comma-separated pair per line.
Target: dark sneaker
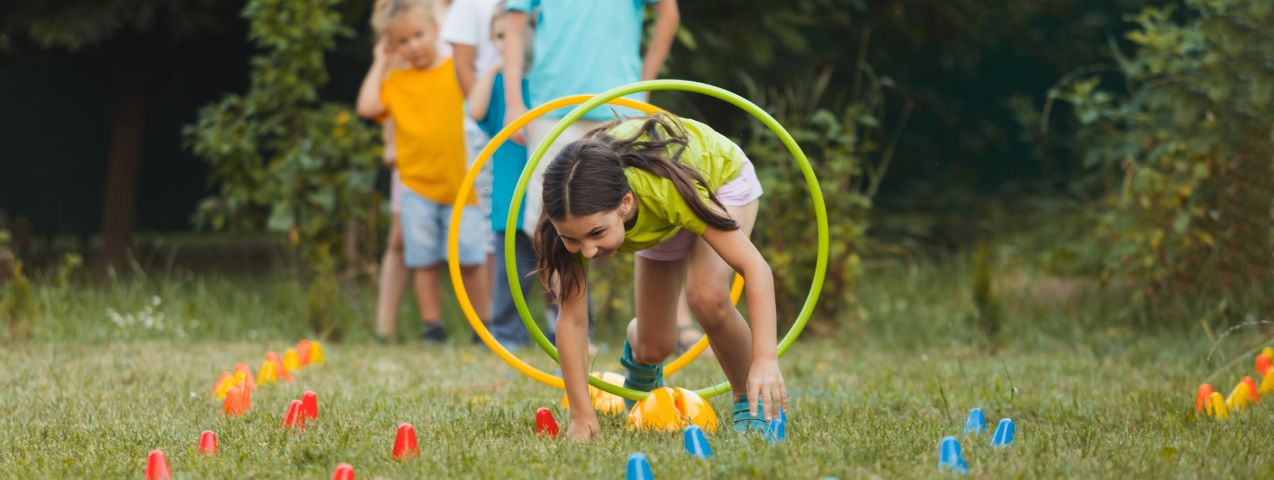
x,y
745,422
434,333
640,377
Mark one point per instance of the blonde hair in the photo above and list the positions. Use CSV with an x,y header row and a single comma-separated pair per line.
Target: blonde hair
x,y
385,11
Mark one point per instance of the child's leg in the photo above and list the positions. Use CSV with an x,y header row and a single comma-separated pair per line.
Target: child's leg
x,y
393,281
429,294
653,334
709,294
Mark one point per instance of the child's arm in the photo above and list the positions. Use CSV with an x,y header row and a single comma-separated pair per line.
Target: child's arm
x,y
572,345
667,17
480,96
369,104
514,56
765,381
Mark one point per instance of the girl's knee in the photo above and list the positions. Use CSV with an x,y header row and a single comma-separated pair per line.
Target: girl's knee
x,y
711,305
653,353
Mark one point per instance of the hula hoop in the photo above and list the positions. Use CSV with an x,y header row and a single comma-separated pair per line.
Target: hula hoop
x,y
453,240
820,211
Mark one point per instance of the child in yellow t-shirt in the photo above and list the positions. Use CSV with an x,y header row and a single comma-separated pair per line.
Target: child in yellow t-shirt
x,y
428,111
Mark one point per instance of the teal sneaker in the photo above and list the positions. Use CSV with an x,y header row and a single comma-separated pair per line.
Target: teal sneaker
x,y
745,422
640,377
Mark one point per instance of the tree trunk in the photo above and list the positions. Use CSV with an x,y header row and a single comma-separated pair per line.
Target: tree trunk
x,y
128,122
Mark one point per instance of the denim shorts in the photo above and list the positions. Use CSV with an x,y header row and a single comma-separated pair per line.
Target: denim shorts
x,y
425,224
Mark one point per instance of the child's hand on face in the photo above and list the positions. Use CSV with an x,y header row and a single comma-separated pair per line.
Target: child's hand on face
x,y
583,429
382,52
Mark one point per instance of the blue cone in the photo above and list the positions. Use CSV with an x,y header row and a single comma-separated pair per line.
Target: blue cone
x,y
976,422
1003,433
639,468
697,443
950,457
777,431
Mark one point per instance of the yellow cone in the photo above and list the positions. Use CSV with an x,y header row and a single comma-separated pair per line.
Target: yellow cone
x,y
1216,407
1238,398
268,375
223,385
696,409
1269,352
316,353
1267,383
291,362
657,412
603,401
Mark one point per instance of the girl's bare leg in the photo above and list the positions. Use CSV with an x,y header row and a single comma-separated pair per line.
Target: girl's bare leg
x,y
708,291
393,282
658,285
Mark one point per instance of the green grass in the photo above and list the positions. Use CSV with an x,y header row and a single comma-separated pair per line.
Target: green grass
x,y
89,396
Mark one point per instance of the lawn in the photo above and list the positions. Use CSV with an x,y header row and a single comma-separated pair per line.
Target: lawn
x,y
1091,397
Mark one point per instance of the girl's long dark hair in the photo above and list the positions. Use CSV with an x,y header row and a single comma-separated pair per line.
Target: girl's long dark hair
x,y
587,177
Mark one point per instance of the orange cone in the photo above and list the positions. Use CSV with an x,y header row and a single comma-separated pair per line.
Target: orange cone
x,y
238,401
295,417
1262,363
405,443
696,409
309,405
279,368
247,375
1251,390
208,443
1201,400
657,412
157,466
303,352
343,472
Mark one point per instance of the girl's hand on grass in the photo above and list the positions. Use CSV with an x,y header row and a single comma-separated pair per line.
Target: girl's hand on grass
x,y
583,429
765,383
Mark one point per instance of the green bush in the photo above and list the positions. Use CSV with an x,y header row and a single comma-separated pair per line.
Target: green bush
x,y
1188,143
282,161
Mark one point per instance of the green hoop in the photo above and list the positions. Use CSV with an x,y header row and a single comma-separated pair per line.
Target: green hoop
x,y
811,181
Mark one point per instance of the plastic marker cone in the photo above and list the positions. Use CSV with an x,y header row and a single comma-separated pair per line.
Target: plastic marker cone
x,y
309,405
1238,398
1252,392
268,374
295,417
405,443
224,382
343,472
1262,364
303,352
1267,383
1201,399
777,431
639,468
1004,433
975,423
606,402
1216,406
208,442
240,400
657,412
316,353
950,458
697,443
545,424
291,362
156,466
247,375
279,368
695,409
1268,352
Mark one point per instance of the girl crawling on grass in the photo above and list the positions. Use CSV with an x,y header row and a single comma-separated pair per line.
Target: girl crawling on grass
x,y
684,199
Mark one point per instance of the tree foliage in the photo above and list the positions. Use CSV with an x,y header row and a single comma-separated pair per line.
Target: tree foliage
x,y
1188,139
282,160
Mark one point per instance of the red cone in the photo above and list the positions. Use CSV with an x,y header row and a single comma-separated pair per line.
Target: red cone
x,y
1262,363
208,442
156,466
295,417
1251,390
405,442
309,405
343,472
303,351
545,424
